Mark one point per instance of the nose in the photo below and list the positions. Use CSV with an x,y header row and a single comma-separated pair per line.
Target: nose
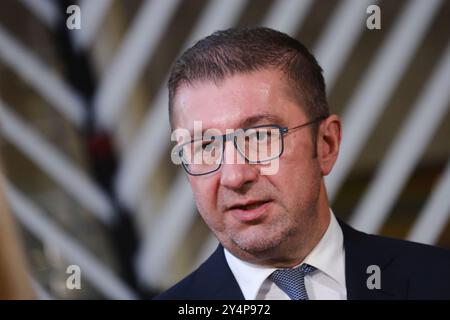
x,y
235,172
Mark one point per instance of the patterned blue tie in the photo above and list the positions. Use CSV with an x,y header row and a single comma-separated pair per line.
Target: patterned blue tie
x,y
292,281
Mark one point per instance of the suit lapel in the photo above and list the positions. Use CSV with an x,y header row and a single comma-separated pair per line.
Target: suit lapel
x,y
363,250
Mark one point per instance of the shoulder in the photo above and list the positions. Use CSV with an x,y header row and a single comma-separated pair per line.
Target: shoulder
x,y
416,255
179,291
212,280
400,249
422,269
195,286
426,267
417,259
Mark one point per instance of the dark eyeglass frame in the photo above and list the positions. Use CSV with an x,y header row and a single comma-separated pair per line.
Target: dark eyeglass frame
x,y
227,137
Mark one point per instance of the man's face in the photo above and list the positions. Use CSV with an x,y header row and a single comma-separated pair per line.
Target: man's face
x,y
253,215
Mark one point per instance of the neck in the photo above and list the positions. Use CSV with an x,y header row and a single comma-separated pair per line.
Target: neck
x,y
310,236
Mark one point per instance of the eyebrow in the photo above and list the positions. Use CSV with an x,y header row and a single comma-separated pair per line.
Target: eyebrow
x,y
260,118
254,120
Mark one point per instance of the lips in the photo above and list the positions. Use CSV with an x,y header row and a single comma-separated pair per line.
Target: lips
x,y
249,211
250,205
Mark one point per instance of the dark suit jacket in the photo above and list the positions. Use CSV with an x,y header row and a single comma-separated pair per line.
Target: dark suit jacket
x,y
408,271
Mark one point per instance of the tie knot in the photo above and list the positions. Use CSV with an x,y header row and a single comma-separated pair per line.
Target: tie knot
x,y
292,281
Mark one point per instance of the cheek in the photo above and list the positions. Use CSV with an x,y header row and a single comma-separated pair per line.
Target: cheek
x,y
206,201
205,194
298,178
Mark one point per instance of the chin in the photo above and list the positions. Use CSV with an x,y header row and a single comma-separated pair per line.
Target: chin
x,y
258,244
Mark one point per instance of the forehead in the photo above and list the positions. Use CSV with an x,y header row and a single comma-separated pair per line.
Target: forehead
x,y
234,100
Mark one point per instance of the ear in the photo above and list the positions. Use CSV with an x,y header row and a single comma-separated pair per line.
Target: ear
x,y
328,143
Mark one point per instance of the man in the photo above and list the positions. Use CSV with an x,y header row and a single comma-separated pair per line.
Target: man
x,y
279,239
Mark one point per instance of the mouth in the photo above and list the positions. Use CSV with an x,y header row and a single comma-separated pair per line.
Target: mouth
x,y
250,211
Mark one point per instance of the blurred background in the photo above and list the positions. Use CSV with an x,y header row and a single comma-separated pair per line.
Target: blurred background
x,y
85,141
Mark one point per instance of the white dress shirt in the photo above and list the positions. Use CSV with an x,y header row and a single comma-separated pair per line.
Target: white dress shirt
x,y
326,283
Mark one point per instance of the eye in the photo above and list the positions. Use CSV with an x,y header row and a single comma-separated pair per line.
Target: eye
x,y
262,135
207,145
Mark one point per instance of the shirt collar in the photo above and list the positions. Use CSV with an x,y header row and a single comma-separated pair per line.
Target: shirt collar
x,y
249,276
328,255
324,257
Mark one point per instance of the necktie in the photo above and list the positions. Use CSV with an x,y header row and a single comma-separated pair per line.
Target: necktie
x,y
292,281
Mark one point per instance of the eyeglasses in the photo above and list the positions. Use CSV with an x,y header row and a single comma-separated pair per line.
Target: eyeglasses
x,y
259,144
